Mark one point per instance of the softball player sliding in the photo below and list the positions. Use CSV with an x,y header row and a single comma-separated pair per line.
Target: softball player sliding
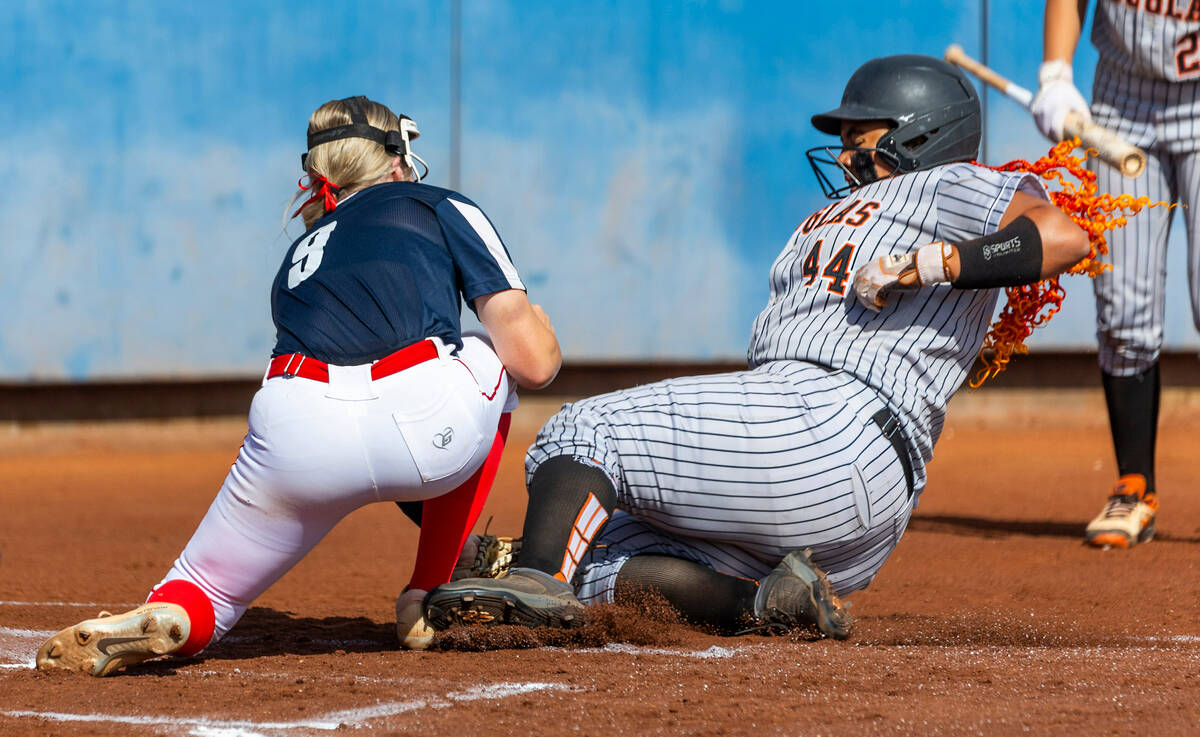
x,y
1147,89
372,393
756,498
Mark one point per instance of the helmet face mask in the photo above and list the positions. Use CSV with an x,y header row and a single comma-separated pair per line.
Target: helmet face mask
x,y
826,165
932,107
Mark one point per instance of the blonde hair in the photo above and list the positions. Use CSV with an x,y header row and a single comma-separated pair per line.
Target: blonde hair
x,y
350,164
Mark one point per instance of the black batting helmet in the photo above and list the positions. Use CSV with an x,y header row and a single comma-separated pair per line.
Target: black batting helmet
x,y
931,105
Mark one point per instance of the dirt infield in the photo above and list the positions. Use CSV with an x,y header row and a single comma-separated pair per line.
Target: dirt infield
x,y
991,618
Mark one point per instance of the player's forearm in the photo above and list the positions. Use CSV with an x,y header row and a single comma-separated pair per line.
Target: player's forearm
x,y
1063,24
529,351
1042,242
522,335
1034,243
535,362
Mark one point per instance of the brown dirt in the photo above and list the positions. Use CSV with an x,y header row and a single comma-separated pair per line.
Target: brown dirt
x,y
991,617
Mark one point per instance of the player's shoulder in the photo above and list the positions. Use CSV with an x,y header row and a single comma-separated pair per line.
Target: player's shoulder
x,y
426,193
965,171
981,179
986,179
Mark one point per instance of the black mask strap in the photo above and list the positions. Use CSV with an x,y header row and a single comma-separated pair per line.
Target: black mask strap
x,y
394,142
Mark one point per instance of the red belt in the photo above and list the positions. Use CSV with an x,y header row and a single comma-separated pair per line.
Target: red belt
x,y
298,364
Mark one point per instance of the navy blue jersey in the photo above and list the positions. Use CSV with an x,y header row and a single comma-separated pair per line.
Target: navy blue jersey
x,y
386,269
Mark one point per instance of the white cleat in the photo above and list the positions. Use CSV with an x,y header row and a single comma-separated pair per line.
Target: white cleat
x,y
412,630
110,642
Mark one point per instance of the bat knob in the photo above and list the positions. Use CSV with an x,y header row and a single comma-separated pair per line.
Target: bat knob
x,y
1133,164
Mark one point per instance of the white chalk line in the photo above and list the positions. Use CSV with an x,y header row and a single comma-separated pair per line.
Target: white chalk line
x,y
25,634
715,651
206,727
14,656
21,646
219,732
24,654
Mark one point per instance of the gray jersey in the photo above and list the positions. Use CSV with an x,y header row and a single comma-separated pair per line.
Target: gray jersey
x,y
1154,39
917,351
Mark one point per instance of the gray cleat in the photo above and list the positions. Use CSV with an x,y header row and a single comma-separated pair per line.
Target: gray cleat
x,y
797,595
523,596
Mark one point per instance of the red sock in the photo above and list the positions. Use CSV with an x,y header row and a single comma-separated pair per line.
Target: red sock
x,y
446,521
199,609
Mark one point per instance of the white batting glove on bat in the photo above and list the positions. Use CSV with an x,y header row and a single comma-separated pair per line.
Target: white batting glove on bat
x,y
1056,98
874,281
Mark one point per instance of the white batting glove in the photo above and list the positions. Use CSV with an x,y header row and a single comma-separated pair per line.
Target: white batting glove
x,y
1056,98
874,281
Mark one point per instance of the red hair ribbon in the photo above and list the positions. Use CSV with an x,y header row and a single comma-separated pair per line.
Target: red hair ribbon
x,y
322,189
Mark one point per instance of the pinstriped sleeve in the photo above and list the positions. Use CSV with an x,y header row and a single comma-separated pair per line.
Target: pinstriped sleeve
x,y
971,200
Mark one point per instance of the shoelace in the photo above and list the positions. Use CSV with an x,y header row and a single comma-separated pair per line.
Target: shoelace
x,y
1120,506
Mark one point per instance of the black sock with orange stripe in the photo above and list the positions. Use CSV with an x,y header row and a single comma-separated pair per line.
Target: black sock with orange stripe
x,y
569,502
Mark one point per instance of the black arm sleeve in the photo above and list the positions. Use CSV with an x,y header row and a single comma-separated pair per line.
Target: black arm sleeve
x,y
1010,257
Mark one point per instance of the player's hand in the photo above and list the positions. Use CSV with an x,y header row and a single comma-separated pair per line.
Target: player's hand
x,y
873,281
1056,98
876,280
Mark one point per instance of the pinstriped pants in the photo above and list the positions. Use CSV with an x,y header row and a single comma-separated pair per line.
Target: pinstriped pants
x,y
736,470
1130,299
1164,119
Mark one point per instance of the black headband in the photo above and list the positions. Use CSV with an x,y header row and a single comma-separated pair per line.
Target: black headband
x,y
395,142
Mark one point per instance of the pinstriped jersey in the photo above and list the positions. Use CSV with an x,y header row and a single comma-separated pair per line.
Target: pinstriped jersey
x,y
1147,83
1154,39
915,352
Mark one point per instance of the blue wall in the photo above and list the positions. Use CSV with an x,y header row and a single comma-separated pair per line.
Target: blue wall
x,y
643,161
